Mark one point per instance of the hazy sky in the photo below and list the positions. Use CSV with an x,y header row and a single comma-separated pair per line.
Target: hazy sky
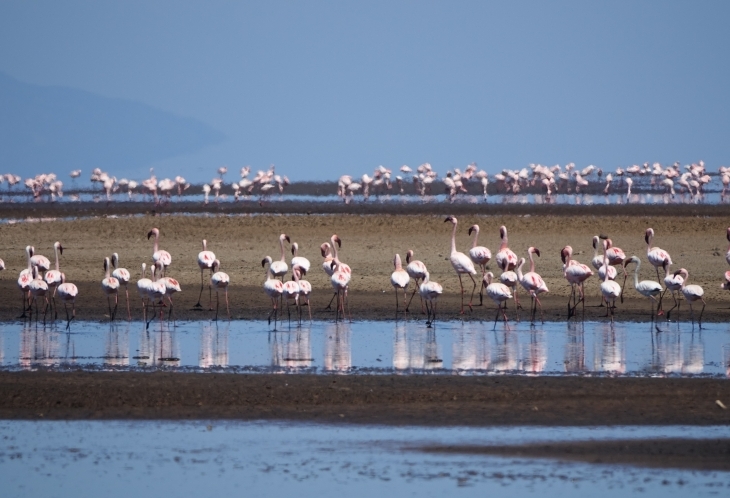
x,y
324,88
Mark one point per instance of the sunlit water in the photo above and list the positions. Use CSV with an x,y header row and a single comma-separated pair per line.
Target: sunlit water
x,y
79,459
372,347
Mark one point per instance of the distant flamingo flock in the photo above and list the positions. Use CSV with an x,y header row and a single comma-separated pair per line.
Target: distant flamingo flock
x,y
40,284
687,183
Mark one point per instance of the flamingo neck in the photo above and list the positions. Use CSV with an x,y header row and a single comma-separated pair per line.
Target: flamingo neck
x,y
453,240
519,269
503,244
636,274
398,264
281,247
155,247
532,263
58,268
334,250
476,236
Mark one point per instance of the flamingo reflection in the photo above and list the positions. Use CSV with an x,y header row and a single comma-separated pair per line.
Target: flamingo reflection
x,y
291,350
610,353
213,347
575,348
337,348
470,350
116,348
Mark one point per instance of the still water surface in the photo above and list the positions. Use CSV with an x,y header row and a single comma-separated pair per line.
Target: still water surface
x,y
590,348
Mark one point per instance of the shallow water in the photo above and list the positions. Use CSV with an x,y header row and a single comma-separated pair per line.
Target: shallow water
x,y
554,348
146,458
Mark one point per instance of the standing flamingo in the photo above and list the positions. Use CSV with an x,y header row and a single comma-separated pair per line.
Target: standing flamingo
x,y
279,268
156,292
673,284
110,286
616,256
122,274
305,291
297,259
143,288
461,263
691,293
430,291
158,255
206,259
53,277
220,281
479,255
510,279
291,292
647,288
399,279
172,286
610,290
576,274
499,293
340,281
273,288
532,283
41,262
38,288
417,271
656,256
327,254
505,258
67,293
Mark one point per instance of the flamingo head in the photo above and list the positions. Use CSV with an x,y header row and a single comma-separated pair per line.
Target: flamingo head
x,y
503,232
154,231
106,264
294,248
58,246
487,280
682,272
409,255
728,234
216,265
632,259
452,219
649,234
333,264
565,254
324,249
267,259
396,261
474,228
533,250
595,241
284,237
336,239
299,271
115,260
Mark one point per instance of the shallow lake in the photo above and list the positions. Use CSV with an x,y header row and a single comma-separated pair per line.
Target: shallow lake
x,y
554,348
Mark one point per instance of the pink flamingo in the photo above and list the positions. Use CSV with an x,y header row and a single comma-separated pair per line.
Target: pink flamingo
x,y
399,279
305,291
430,291
616,257
67,293
499,293
158,255
206,259
122,274
110,286
656,256
532,282
610,290
53,277
691,293
461,264
576,274
273,288
417,271
506,258
479,255
220,281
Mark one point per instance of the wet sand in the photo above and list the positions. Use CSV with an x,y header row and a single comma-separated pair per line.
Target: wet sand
x,y
369,242
691,454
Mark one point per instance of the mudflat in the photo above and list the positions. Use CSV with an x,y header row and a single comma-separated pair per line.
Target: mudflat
x,y
369,243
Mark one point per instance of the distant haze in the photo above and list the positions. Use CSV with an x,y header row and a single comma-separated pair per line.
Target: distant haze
x,y
329,87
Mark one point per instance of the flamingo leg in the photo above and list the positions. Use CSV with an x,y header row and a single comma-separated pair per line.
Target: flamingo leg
x,y
109,303
623,285
23,304
129,311
309,309
228,310
217,303
428,315
496,317
472,290
702,311
396,303
45,308
202,285
272,311
329,306
462,294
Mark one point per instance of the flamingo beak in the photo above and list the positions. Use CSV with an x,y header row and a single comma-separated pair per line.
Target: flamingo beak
x,y
286,237
149,234
470,230
263,262
60,249
646,238
537,251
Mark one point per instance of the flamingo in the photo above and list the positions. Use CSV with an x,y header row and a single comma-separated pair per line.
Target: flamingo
x,y
156,292
499,293
38,288
53,277
616,256
326,250
159,255
272,287
206,259
576,274
647,288
479,255
510,279
110,286
506,258
122,274
532,282
301,261
67,293
291,291
430,291
279,268
417,271
171,287
610,290
399,279
340,281
305,291
727,254
220,281
656,256
24,280
41,262
143,287
461,263
691,293
673,283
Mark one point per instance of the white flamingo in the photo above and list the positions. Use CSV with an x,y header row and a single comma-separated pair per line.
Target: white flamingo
x,y
610,290
532,282
656,256
399,279
461,264
206,259
430,291
159,255
305,291
67,293
53,277
279,268
220,280
291,292
576,274
110,286
298,260
647,288
479,255
505,257
691,293
143,288
38,288
499,293
417,271
123,275
273,288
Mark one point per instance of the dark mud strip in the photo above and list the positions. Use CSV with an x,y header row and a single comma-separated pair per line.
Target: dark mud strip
x,y
121,208
392,400
691,454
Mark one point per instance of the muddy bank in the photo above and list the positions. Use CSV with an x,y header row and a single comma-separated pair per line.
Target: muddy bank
x,y
368,246
692,454
390,400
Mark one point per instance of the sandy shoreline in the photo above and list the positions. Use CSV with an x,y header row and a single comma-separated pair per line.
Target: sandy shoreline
x,y
369,243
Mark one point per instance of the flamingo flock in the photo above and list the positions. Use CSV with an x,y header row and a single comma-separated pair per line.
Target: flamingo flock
x,y
40,284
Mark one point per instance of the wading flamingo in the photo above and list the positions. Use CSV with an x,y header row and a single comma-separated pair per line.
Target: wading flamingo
x,y
575,273
505,257
67,293
279,268
399,279
206,259
110,286
220,280
647,288
691,293
291,292
461,263
499,293
172,286
38,288
273,288
158,255
610,290
122,274
143,287
532,283
53,277
41,262
430,291
479,255
305,292
656,256
511,280
417,271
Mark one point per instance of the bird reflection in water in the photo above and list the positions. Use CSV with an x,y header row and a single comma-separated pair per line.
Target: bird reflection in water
x,y
213,346
726,358
470,349
694,358
116,349
158,348
291,351
609,352
666,351
534,358
337,348
506,351
39,346
575,348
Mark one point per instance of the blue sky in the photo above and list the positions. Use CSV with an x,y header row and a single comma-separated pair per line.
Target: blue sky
x,y
325,88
